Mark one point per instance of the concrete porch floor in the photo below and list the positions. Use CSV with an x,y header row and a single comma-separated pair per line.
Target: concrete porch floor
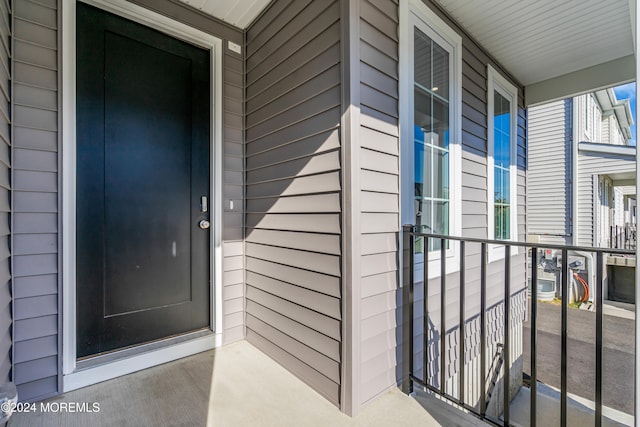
x,y
236,385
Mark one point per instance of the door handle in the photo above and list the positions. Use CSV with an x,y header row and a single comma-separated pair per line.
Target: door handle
x,y
204,224
204,204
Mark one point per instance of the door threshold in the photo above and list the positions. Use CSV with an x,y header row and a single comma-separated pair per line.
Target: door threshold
x,y
133,350
105,367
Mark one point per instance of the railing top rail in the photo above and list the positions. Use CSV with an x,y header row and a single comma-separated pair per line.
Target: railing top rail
x,y
411,230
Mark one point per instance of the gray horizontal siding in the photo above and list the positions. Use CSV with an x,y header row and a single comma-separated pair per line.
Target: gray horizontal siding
x,y
35,186
591,165
293,190
5,196
381,322
549,174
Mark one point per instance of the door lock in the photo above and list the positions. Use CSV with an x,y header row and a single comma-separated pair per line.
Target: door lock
x,y
204,224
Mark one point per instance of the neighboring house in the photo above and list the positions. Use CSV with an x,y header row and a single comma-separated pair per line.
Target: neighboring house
x,y
581,183
581,170
177,179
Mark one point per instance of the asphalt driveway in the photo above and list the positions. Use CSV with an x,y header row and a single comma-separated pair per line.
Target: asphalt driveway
x,y
618,354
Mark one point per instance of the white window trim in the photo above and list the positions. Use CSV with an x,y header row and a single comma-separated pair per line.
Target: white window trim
x,y
73,378
597,121
496,82
415,13
587,117
593,119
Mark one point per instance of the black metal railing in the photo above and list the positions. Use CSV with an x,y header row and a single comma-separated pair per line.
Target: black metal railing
x,y
480,409
623,236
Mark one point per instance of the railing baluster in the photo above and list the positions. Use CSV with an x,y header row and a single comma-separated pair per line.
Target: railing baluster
x,y
598,297
611,236
462,323
411,309
443,302
430,359
625,237
483,328
534,336
565,334
507,324
426,308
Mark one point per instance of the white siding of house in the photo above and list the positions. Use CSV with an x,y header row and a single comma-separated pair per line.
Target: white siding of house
x,y
607,133
610,130
549,171
613,134
588,129
589,165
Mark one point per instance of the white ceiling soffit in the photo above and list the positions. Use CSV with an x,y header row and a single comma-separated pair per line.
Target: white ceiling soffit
x,y
239,13
538,40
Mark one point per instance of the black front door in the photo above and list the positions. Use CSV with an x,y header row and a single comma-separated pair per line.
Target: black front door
x,y
143,101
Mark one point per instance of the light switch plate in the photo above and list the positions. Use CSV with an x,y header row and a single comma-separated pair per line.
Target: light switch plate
x,y
234,47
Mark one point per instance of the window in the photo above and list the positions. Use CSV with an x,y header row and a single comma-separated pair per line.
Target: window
x,y
587,115
430,112
592,119
605,216
597,121
501,158
501,166
431,136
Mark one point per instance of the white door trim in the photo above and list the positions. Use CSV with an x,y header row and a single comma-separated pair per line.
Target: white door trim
x,y
73,378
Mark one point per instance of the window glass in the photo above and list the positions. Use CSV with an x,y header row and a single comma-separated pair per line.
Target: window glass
x,y
588,116
431,137
502,164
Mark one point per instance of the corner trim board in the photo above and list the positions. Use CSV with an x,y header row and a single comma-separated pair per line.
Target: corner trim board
x,y
350,401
